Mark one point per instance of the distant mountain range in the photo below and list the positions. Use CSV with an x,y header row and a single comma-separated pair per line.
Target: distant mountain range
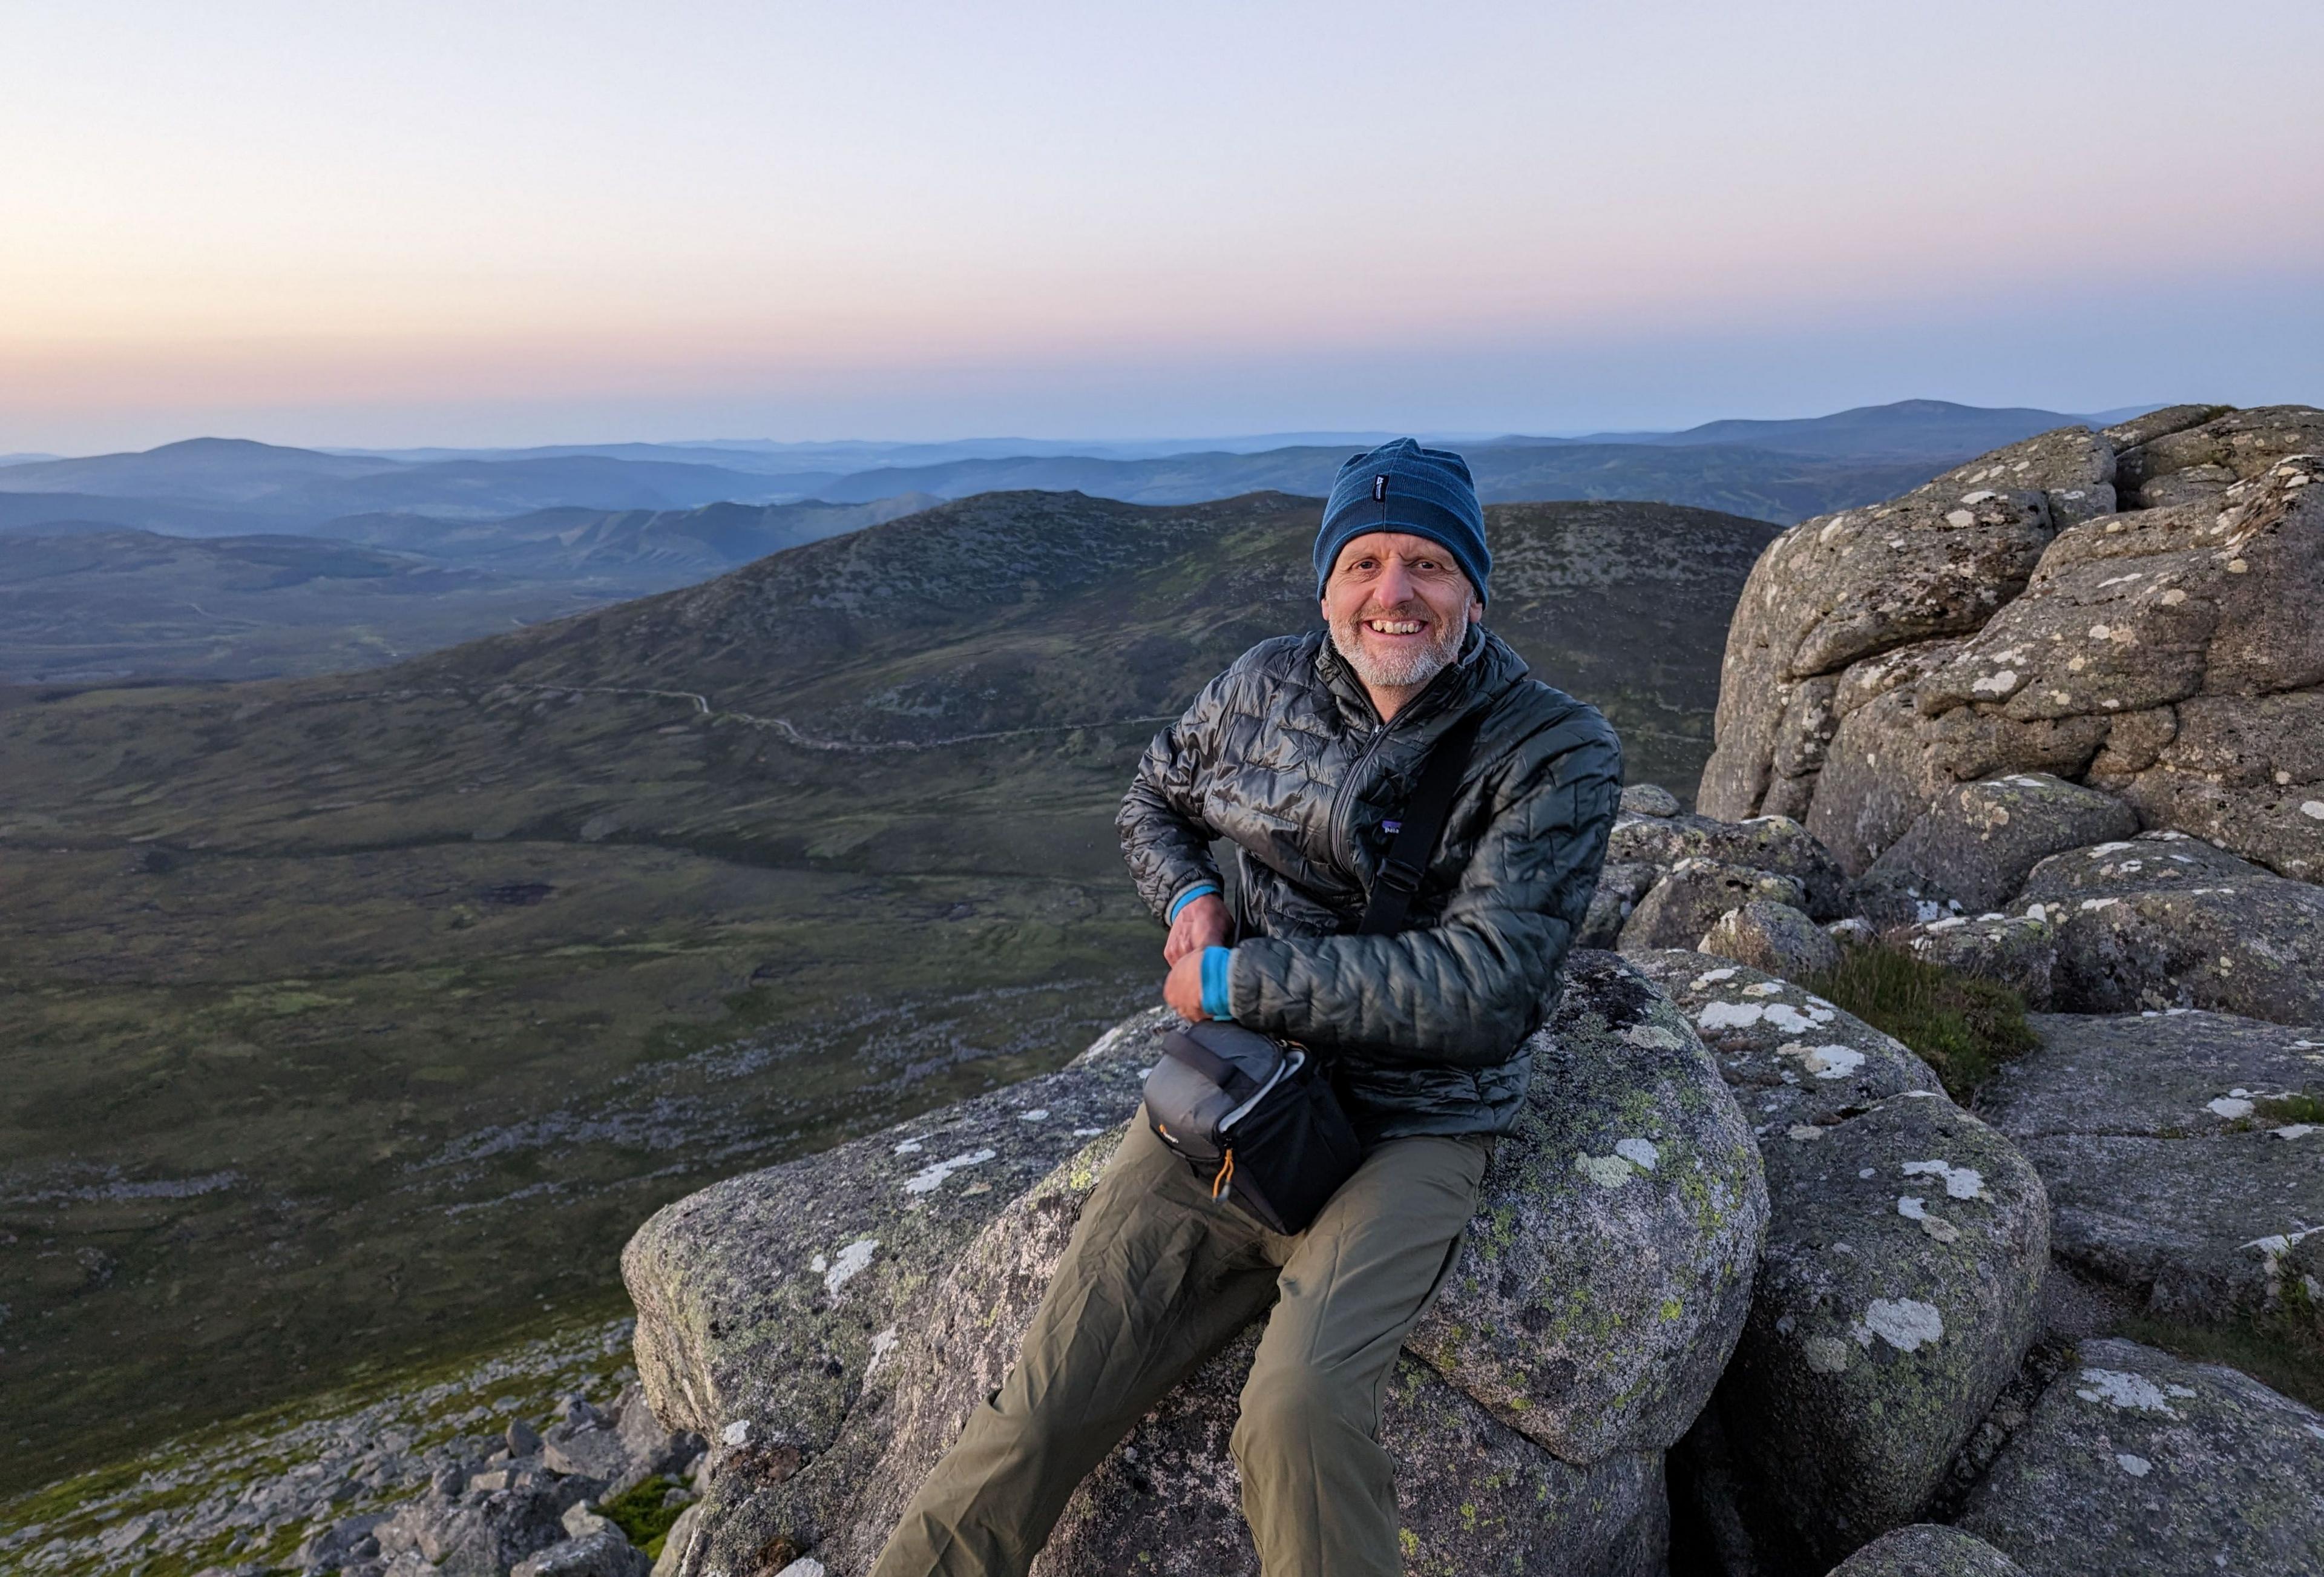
x,y
1779,471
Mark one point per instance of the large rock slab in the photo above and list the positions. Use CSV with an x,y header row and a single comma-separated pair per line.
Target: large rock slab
x,y
762,1299
1474,1495
2168,1175
2019,951
1773,844
1793,1059
2137,1462
1774,938
1927,1549
1979,841
1691,895
1901,1287
1605,1277
2165,921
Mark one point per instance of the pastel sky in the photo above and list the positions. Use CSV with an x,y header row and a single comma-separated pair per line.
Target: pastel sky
x,y
482,223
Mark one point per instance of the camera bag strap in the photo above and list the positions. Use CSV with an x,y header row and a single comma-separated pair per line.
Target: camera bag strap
x,y
1413,840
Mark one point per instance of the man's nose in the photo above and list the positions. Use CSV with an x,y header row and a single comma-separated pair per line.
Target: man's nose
x,y
1394,584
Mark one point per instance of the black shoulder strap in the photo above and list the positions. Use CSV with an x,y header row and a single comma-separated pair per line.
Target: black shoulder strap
x,y
1415,839
1183,1047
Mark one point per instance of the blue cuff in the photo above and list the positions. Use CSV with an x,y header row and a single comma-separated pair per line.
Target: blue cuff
x,y
1190,895
1214,981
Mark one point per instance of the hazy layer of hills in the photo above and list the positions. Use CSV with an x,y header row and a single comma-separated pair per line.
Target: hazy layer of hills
x,y
358,1020
527,534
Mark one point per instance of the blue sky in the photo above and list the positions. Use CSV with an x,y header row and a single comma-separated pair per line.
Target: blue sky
x,y
485,223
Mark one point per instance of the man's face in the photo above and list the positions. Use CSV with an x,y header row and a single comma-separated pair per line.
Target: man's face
x,y
1397,606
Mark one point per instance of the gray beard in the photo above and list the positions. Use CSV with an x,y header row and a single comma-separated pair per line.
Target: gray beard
x,y
1414,667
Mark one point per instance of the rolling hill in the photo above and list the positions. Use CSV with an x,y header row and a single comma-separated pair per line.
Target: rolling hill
x,y
355,1020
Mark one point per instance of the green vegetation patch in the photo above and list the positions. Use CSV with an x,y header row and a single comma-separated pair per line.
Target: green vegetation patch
x,y
642,1516
1962,1026
2282,1348
2298,1107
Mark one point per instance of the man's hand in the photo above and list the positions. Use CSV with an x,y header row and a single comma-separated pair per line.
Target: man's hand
x,y
1202,923
1184,988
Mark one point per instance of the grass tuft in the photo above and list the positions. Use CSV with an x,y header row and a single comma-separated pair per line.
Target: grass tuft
x,y
2282,1348
1962,1026
642,1516
2298,1107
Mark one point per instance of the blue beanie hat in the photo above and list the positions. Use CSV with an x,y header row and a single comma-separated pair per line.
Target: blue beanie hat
x,y
1403,487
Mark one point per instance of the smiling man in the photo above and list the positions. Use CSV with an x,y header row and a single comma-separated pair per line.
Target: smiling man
x,y
1300,757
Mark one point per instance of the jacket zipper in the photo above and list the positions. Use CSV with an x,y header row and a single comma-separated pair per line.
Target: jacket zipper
x,y
1343,830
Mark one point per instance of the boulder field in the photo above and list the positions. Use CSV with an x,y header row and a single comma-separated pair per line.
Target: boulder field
x,y
1747,1294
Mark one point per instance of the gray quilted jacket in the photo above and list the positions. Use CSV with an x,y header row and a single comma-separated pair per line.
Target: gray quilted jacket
x,y
1285,757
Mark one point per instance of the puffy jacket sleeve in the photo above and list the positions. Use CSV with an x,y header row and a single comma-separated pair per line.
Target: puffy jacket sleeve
x,y
1467,991
1164,836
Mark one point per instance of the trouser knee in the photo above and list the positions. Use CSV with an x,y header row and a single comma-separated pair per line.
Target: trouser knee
x,y
1288,1409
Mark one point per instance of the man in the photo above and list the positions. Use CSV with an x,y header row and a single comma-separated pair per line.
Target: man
x,y
1297,756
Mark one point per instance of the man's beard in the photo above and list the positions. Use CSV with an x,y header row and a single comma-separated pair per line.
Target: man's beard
x,y
1404,669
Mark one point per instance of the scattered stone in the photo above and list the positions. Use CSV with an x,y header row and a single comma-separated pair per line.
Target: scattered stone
x,y
1980,841
603,1552
1689,898
1773,844
1621,886
2165,921
1900,1289
2016,950
1924,1549
1649,799
524,1439
1890,900
2139,1461
1772,937
2168,1179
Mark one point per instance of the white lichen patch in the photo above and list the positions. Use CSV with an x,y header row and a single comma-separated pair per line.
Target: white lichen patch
x,y
1960,1182
738,1432
1824,1062
931,1177
1711,977
2122,1391
2294,1130
1912,1208
910,1147
850,1264
1606,1171
1653,1038
1639,1152
1034,1114
2228,1107
1905,1324
1803,1133
1778,1015
883,1345
2132,1463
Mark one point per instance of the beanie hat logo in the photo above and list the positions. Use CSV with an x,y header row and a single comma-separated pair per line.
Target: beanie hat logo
x,y
1379,490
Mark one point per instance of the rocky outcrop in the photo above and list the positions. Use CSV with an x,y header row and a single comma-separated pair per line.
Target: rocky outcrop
x,y
2137,1462
2184,1164
1691,895
763,1300
1902,1284
1596,1301
2008,619
2163,920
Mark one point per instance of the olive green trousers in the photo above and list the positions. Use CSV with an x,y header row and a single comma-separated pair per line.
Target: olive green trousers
x,y
1156,1279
